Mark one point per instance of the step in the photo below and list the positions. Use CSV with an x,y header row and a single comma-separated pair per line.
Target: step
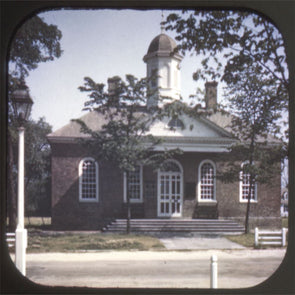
x,y
176,225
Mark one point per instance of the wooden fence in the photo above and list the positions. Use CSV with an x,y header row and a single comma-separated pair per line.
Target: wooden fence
x,y
273,238
10,239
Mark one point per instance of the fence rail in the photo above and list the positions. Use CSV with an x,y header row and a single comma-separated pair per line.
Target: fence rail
x,y
270,237
10,239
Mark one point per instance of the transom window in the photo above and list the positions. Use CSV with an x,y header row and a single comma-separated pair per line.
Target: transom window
x,y
88,180
134,181
176,123
245,187
206,185
170,166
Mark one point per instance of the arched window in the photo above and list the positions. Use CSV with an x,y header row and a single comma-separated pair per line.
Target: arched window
x,y
206,184
245,187
88,180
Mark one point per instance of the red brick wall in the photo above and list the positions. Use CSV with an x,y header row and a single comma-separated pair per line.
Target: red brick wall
x,y
68,212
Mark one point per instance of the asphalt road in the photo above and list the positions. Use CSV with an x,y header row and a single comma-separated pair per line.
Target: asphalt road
x,y
148,269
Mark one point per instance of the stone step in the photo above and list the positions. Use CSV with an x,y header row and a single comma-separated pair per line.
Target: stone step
x,y
176,221
172,225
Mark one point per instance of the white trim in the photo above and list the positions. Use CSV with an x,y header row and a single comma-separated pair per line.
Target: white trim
x,y
140,200
160,173
214,182
241,189
80,171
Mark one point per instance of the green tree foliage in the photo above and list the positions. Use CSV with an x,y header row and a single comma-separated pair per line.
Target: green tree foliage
x,y
37,165
124,138
256,110
229,42
34,42
246,52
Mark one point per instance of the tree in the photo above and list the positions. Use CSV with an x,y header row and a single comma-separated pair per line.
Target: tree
x,y
37,163
124,139
37,167
246,52
255,110
229,41
34,42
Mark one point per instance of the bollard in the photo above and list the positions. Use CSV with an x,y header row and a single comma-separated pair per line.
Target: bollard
x,y
213,282
256,236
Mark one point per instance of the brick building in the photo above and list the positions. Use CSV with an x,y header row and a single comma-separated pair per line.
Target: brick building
x,y
87,194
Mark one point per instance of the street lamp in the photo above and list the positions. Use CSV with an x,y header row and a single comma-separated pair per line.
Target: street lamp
x,y
22,104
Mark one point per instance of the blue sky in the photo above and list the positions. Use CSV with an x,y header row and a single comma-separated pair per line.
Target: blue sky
x,y
98,44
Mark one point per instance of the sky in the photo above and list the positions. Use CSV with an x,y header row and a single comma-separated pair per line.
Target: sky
x,y
98,44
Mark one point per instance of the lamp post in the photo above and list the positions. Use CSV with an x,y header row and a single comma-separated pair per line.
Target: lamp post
x,y
22,104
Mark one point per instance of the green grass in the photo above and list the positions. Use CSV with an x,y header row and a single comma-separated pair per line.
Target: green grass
x,y
285,222
92,241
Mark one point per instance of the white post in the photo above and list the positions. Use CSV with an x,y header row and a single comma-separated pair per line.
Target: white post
x,y
284,231
213,281
21,232
256,236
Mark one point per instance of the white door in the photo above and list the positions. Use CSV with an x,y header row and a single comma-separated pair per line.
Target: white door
x,y
170,181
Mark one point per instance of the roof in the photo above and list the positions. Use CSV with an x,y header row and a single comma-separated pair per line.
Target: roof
x,y
162,45
199,134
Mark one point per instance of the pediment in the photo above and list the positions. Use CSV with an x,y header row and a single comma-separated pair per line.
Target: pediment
x,y
192,128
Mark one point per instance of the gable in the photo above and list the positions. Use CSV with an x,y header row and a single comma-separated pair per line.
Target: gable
x,y
192,127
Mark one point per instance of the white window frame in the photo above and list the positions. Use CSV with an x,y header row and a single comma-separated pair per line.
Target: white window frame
x,y
242,200
89,200
214,182
140,200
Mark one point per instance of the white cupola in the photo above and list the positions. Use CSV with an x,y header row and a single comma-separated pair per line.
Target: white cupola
x,y
163,63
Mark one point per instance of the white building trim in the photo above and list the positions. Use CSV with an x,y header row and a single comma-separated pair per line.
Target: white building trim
x,y
213,200
80,173
168,201
140,200
241,184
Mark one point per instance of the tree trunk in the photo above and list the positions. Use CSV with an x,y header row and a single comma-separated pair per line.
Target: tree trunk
x,y
128,215
251,154
248,205
11,194
128,208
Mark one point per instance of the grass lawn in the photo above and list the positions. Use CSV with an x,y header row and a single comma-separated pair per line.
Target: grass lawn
x,y
69,242
39,241
285,222
247,240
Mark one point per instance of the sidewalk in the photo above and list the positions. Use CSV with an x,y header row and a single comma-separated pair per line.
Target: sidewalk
x,y
200,242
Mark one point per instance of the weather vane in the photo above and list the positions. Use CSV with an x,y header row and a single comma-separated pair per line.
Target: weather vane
x,y
162,23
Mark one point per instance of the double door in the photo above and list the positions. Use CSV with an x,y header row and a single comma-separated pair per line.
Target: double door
x,y
169,194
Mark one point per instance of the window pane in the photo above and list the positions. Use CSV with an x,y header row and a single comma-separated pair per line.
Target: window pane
x,y
207,181
88,181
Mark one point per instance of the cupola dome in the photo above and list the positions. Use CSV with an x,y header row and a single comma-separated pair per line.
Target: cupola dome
x,y
163,69
161,46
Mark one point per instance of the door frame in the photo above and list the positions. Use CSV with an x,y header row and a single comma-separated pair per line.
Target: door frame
x,y
160,173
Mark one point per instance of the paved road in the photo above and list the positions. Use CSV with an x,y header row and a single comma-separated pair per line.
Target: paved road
x,y
236,268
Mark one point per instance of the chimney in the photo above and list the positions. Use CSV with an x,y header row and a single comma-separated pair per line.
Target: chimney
x,y
113,84
211,95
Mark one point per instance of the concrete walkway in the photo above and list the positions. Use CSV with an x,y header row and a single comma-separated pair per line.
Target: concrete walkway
x,y
199,243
